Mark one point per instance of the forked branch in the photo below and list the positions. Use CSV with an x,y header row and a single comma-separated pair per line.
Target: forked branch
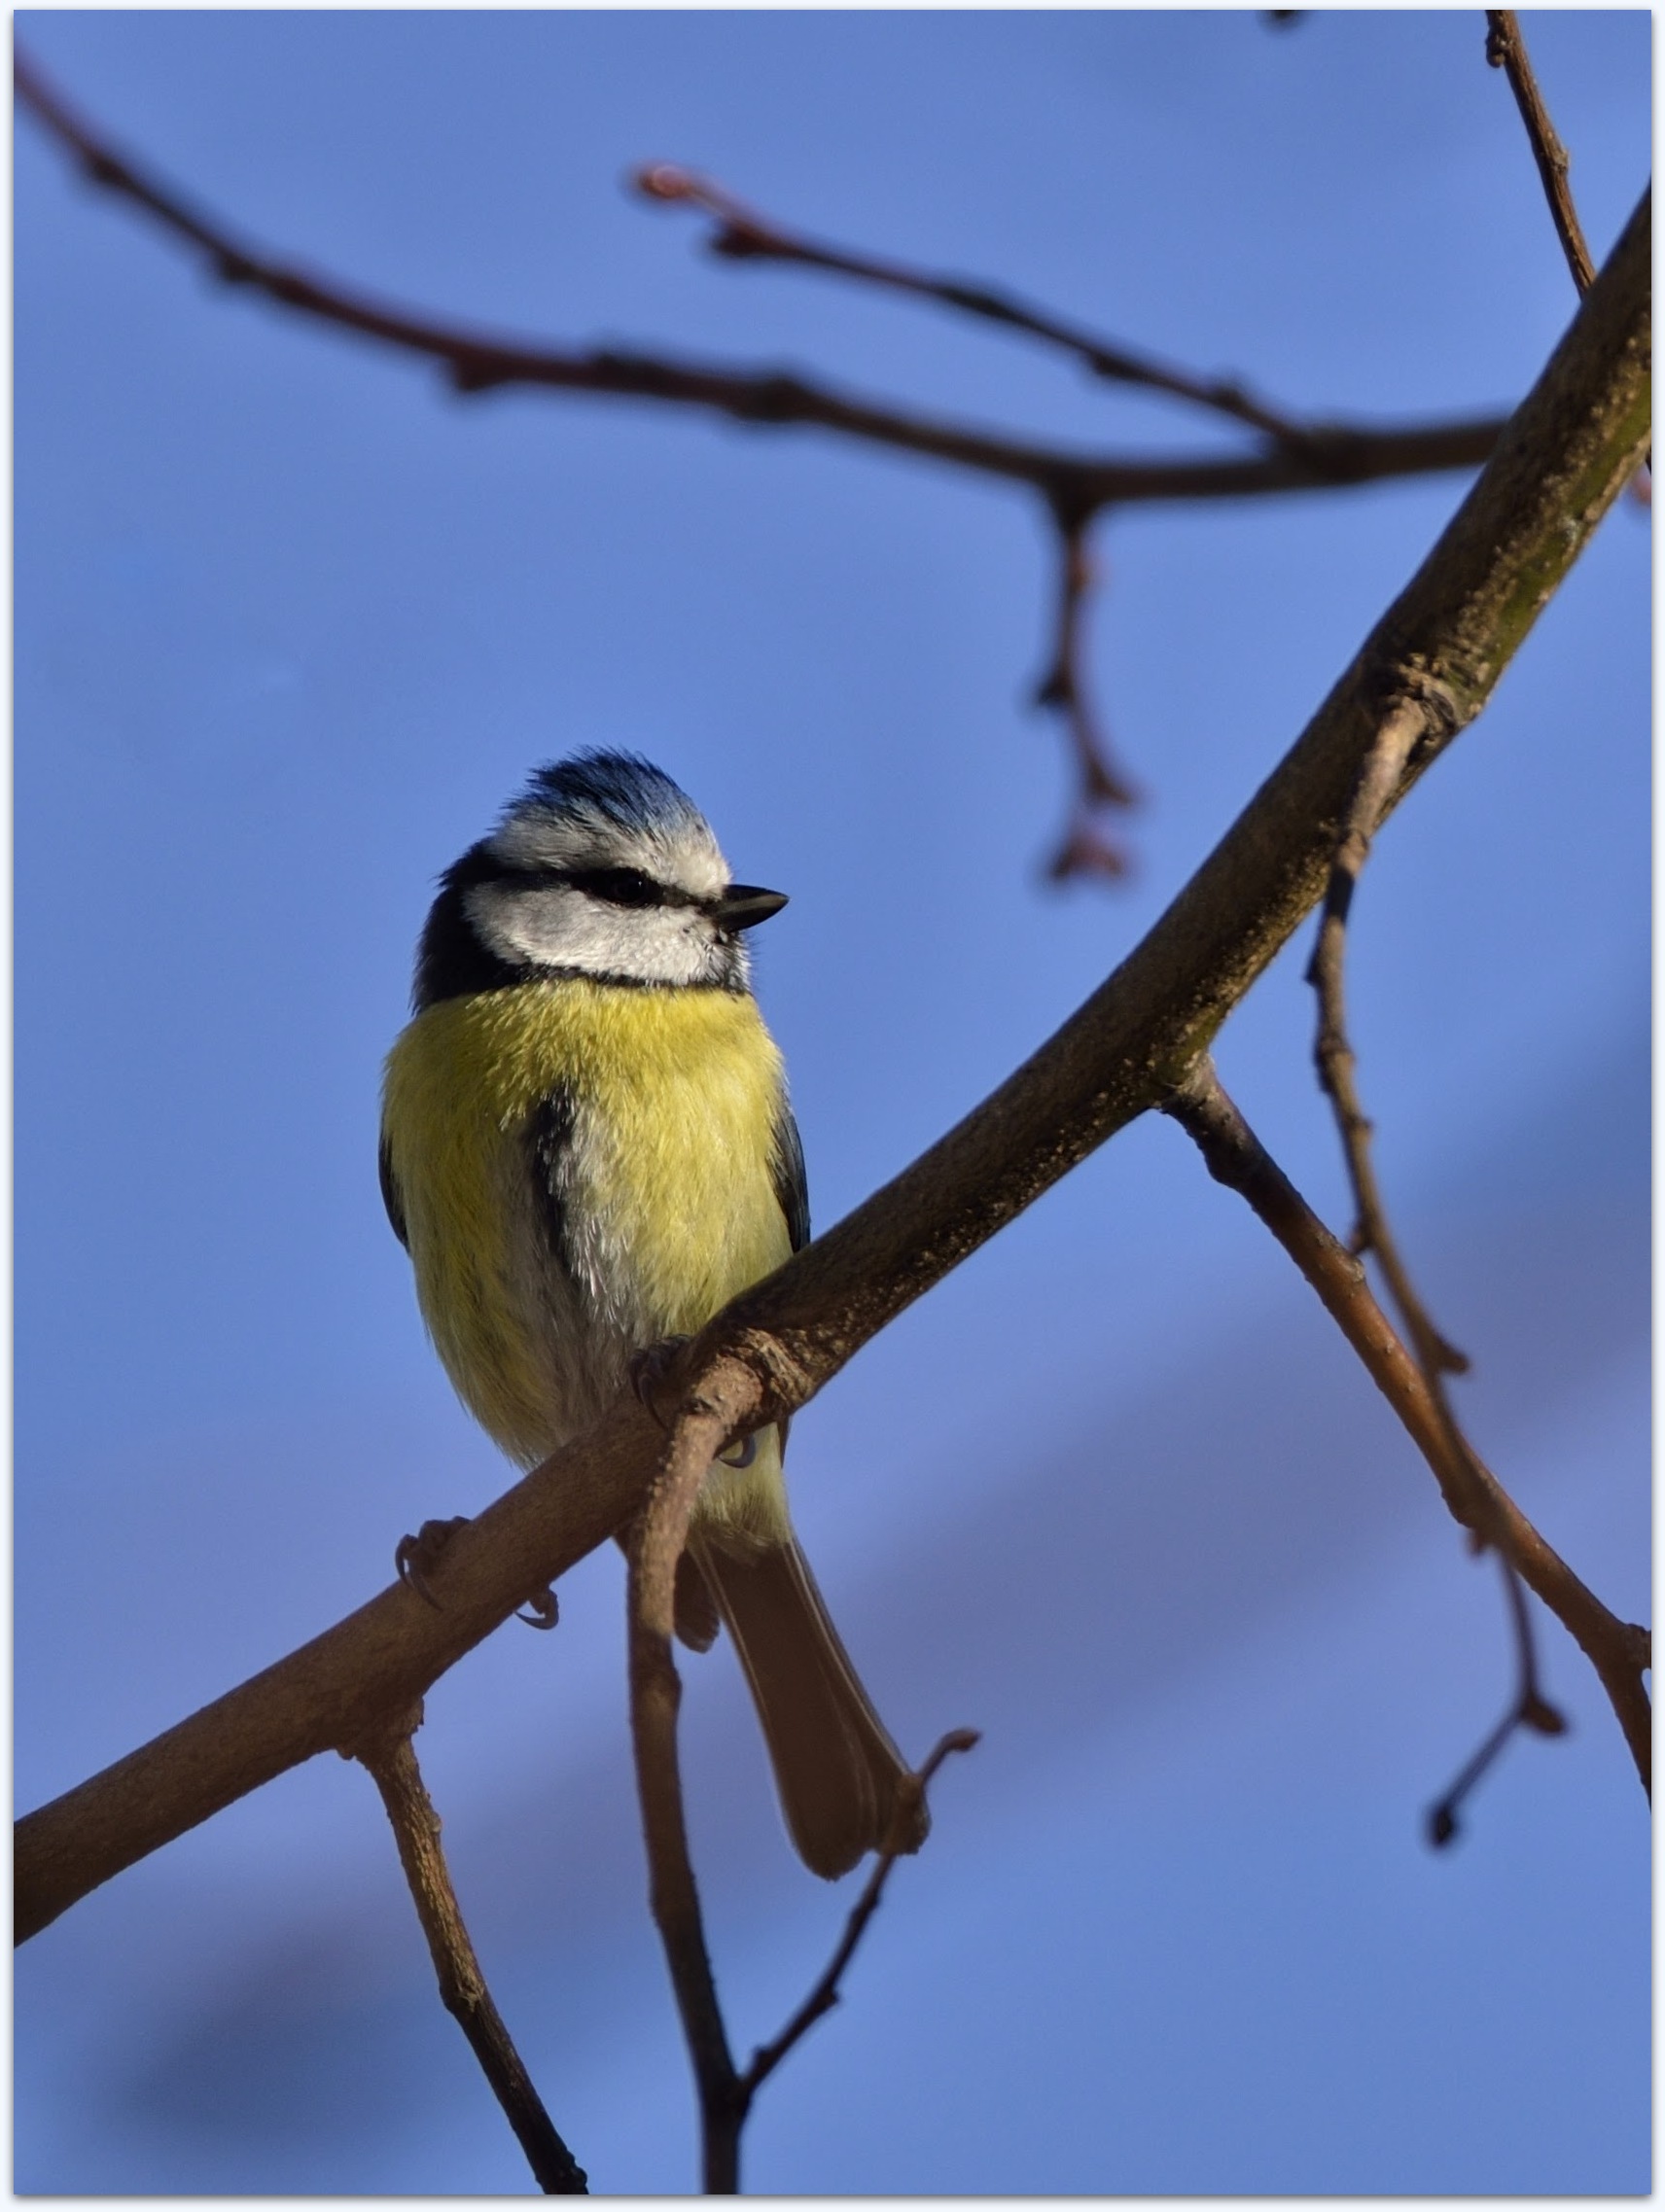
x,y
713,1414
1075,487
480,360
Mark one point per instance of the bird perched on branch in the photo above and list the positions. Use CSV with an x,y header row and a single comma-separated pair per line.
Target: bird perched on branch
x,y
587,1149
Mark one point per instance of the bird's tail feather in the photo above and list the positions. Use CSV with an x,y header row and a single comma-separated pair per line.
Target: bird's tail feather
x,y
837,1770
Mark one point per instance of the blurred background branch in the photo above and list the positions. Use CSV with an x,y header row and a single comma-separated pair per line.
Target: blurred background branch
x,y
742,234
1074,487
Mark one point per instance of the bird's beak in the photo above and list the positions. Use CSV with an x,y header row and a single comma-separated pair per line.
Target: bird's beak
x,y
743,906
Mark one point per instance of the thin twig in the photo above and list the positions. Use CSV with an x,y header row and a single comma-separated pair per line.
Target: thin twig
x,y
1402,729
710,1417
479,361
1618,1650
826,1993
390,1758
1099,783
1572,444
1506,50
743,234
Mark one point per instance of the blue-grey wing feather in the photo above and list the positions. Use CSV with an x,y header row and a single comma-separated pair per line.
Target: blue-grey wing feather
x,y
792,1184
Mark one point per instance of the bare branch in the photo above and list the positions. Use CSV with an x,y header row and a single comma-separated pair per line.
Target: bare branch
x,y
1099,783
1075,487
743,234
826,1993
390,1758
714,1411
1334,1054
479,361
1506,50
1569,450
701,1431
1618,1651
1437,1357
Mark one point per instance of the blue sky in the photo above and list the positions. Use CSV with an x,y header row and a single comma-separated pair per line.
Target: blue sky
x,y
290,626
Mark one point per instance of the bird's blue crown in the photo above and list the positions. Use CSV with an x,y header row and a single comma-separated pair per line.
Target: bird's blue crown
x,y
618,789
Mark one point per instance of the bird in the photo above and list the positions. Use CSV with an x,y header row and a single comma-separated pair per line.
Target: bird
x,y
587,1150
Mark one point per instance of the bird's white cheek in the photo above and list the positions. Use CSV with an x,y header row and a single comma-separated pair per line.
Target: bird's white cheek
x,y
637,945
679,947
529,925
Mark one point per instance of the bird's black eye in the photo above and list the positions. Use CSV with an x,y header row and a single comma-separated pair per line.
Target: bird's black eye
x,y
619,886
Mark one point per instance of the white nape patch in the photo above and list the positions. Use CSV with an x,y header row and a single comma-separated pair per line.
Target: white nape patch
x,y
559,926
685,856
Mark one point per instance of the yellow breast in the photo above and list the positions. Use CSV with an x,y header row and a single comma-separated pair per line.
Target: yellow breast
x,y
669,1205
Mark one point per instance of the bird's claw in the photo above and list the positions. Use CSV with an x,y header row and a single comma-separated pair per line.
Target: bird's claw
x,y
543,1610
649,1368
414,1558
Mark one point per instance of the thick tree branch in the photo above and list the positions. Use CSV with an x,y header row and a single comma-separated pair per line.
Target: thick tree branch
x,y
743,234
1618,1651
479,360
389,1757
1506,50
1564,455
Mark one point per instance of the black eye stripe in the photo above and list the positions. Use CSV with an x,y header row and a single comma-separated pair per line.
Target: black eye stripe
x,y
619,886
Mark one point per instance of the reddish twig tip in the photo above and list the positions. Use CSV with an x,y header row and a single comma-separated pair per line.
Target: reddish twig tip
x,y
662,180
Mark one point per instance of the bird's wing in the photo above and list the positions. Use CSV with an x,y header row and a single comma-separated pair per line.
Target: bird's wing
x,y
550,1137
390,1195
792,1184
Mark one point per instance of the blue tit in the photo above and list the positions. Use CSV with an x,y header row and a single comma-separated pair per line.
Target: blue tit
x,y
585,1148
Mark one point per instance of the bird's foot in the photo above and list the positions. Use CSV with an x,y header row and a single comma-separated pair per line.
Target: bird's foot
x,y
414,1558
650,1367
543,1610
649,1370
